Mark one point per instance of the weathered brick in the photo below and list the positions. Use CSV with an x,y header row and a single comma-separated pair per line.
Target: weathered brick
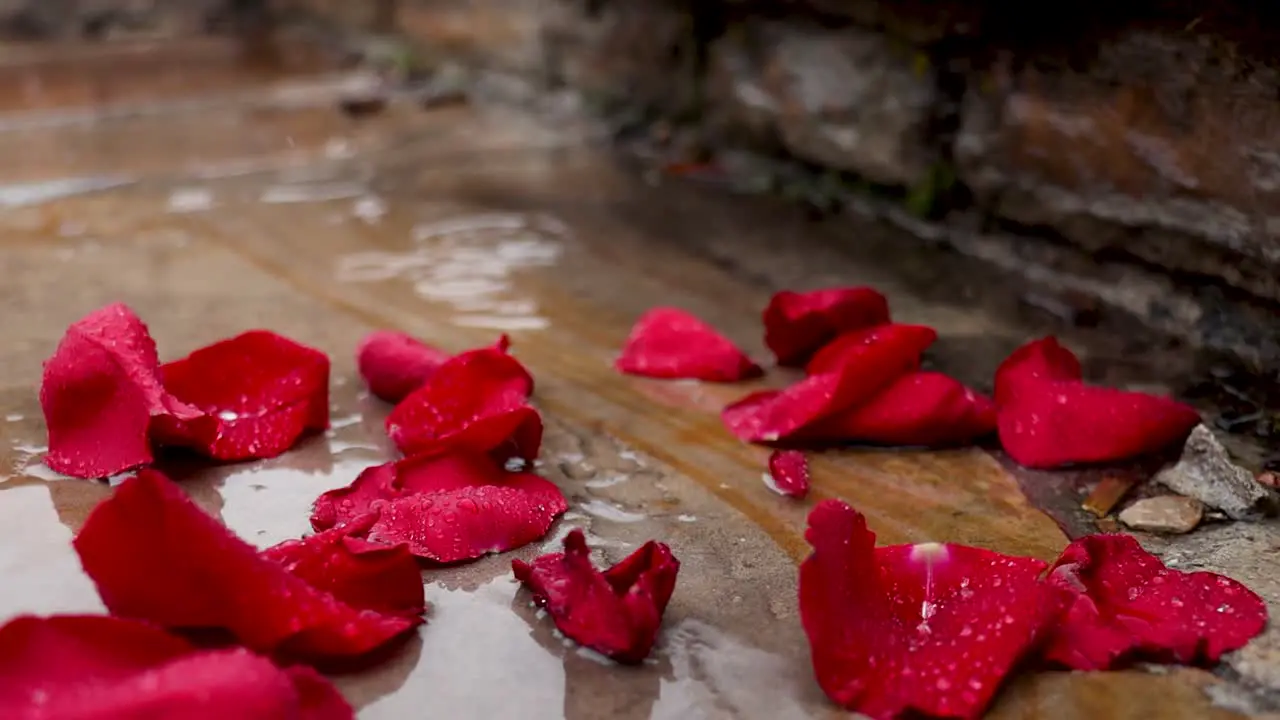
x,y
846,99
1164,152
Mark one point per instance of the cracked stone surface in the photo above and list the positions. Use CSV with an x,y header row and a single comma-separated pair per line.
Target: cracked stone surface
x,y
264,205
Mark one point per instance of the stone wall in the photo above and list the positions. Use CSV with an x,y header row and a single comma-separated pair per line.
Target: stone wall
x,y
1128,151
1097,143
62,20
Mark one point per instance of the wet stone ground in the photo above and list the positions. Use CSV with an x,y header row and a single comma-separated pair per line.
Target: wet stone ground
x,y
214,196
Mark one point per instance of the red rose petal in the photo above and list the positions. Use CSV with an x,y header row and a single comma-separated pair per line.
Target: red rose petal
x,y
672,343
259,392
616,612
394,364
474,402
1050,418
932,629
91,667
372,576
403,478
154,555
789,473
472,522
909,340
1043,359
797,324
1127,605
925,409
447,508
860,373
100,390
1051,424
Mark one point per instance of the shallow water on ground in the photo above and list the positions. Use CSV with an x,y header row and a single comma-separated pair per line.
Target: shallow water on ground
x,y
262,205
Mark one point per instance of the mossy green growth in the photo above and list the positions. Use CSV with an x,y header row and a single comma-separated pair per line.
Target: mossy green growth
x,y
927,199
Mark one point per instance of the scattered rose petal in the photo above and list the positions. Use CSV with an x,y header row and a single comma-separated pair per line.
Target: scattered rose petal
x,y
100,390
477,401
789,473
372,576
1127,606
616,612
671,343
931,629
1038,360
155,556
259,393
107,399
103,668
860,373
925,409
447,508
851,346
1049,418
1053,424
394,364
797,324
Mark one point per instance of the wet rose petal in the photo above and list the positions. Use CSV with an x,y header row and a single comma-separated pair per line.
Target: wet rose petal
x,y
259,393
155,556
616,612
671,343
797,324
789,473
860,373
96,667
931,629
372,576
924,409
1059,424
1038,360
100,390
1127,606
908,340
394,364
1050,419
107,399
477,401
447,508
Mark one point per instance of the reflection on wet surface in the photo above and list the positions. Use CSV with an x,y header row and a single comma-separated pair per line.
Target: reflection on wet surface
x,y
467,262
39,574
277,211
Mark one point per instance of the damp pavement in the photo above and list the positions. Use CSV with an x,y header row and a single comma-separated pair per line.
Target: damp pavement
x,y
215,193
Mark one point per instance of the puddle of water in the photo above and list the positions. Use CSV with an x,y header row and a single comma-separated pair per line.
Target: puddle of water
x,y
607,482
312,193
477,654
468,263
713,669
28,462
266,505
369,208
608,511
40,570
189,200
37,193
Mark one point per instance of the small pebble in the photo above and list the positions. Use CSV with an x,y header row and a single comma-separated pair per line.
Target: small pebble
x,y
1172,514
1206,472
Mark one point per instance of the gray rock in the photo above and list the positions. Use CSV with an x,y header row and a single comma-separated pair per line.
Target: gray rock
x,y
1173,514
851,100
1206,473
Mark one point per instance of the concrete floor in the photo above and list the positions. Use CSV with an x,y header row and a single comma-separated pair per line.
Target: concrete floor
x,y
215,195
